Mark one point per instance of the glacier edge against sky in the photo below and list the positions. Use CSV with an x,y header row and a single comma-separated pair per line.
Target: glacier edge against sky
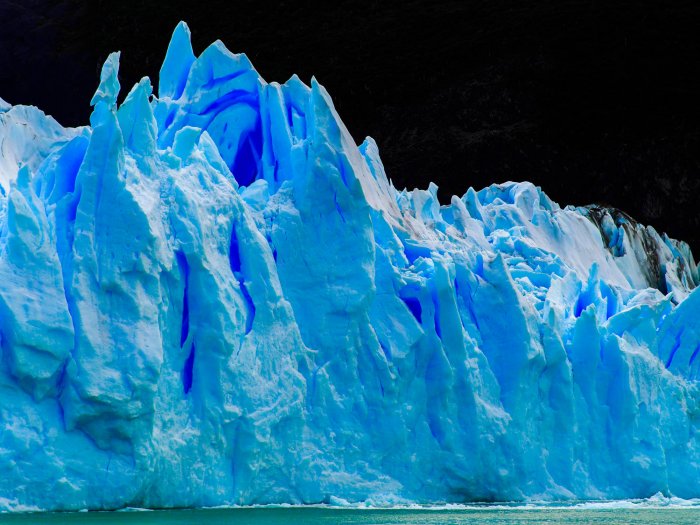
x,y
214,296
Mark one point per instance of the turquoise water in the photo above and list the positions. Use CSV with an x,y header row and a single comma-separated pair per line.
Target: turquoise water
x,y
309,516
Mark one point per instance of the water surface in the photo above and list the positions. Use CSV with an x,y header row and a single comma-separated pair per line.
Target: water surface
x,y
332,516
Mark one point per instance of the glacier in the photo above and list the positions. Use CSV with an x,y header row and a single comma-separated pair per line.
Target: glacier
x,y
213,296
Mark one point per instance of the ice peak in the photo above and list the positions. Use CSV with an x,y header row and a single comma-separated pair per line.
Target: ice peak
x,y
108,90
178,61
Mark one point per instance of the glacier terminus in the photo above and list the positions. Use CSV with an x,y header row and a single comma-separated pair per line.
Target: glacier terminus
x,y
213,296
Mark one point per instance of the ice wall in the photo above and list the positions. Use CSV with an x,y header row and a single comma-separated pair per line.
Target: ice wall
x,y
213,296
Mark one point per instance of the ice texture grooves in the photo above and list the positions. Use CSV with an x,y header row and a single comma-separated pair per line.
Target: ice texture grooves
x,y
213,296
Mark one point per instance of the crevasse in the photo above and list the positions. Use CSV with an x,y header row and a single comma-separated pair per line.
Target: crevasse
x,y
214,296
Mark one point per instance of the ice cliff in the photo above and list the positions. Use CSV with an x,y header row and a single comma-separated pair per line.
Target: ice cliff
x,y
214,296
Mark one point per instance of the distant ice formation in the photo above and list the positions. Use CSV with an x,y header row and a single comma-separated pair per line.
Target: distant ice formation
x,y
214,296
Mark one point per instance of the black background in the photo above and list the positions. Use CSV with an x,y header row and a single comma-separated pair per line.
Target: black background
x,y
595,101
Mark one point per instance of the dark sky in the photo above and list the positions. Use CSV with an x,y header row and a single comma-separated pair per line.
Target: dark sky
x,y
595,101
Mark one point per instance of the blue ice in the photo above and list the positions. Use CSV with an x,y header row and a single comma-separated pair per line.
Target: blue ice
x,y
211,295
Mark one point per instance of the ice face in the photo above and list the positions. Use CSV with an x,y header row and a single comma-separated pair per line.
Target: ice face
x,y
214,296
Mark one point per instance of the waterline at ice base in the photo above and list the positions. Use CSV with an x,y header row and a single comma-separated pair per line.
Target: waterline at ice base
x,y
213,296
